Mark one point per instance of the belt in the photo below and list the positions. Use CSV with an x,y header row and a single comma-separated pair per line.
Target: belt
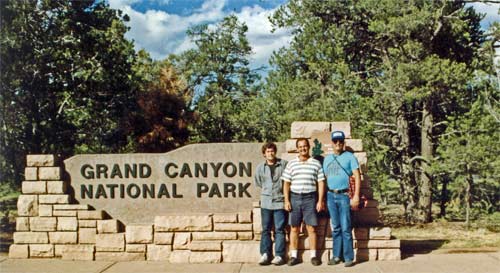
x,y
303,193
338,191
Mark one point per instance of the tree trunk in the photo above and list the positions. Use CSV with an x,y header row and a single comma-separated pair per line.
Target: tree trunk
x,y
427,152
444,196
468,199
408,183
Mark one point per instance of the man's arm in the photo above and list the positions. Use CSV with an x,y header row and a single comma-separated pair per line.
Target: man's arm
x,y
357,186
286,193
257,176
320,205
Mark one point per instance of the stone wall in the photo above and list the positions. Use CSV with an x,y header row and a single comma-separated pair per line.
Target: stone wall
x,y
52,225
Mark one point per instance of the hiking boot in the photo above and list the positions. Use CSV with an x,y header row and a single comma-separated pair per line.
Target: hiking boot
x,y
315,261
349,264
293,261
333,261
278,261
264,260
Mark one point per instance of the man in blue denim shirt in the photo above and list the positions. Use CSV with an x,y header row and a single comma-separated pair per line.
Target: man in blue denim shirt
x,y
268,178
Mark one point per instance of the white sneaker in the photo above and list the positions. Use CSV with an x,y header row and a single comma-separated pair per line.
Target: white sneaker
x,y
278,261
264,259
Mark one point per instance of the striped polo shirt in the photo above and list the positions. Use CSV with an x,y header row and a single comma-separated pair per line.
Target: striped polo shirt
x,y
303,175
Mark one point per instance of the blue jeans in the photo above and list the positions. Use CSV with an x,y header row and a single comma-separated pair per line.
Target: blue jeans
x,y
270,218
340,215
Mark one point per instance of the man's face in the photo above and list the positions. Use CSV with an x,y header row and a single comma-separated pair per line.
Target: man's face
x,y
303,148
270,154
338,145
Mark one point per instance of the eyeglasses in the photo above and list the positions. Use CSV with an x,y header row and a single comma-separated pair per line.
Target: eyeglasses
x,y
335,141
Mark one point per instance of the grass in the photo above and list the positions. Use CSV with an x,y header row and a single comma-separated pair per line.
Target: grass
x,y
442,235
8,213
7,192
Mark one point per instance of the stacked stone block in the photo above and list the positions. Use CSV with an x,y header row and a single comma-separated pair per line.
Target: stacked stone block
x,y
50,226
199,238
38,229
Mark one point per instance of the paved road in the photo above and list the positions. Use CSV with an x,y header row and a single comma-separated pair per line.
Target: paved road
x,y
428,263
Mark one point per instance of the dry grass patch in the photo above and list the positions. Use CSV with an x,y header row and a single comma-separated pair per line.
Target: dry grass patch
x,y
442,235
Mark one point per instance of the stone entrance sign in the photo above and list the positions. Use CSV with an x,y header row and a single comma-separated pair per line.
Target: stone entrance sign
x,y
196,204
204,178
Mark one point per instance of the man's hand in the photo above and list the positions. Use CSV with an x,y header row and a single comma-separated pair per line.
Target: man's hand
x,y
355,203
320,206
288,206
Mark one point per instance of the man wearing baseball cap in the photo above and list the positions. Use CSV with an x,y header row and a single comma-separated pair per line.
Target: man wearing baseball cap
x,y
338,167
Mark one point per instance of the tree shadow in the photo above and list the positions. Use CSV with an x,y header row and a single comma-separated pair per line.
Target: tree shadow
x,y
8,213
6,235
412,247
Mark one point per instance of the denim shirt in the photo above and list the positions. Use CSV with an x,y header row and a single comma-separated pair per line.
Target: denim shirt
x,y
271,196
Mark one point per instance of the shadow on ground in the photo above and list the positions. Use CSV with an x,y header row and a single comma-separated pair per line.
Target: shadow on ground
x,y
412,247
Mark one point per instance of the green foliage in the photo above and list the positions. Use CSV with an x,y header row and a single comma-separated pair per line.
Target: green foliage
x,y
7,193
218,71
396,69
469,154
66,80
491,222
415,79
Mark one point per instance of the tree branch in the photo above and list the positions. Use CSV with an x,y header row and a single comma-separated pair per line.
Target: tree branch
x,y
440,123
385,124
394,132
419,158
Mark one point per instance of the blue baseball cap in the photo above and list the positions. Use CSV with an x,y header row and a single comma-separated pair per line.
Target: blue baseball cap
x,y
338,135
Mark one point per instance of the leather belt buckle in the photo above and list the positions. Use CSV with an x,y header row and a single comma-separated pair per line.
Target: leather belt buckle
x,y
338,191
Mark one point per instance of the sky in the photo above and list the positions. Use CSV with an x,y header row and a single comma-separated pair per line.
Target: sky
x,y
159,26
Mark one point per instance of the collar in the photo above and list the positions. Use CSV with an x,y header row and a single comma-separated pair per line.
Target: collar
x,y
334,155
308,160
277,163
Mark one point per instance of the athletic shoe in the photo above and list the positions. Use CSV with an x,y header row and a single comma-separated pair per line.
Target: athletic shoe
x,y
349,264
278,261
264,260
334,261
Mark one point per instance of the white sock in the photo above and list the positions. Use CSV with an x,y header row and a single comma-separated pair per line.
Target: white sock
x,y
313,253
294,253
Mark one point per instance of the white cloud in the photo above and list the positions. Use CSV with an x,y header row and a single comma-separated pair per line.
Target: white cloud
x,y
491,15
259,34
161,33
491,11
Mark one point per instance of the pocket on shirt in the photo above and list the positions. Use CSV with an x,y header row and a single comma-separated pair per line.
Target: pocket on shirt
x,y
278,199
267,189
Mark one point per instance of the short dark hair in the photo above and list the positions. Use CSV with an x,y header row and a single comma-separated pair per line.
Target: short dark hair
x,y
269,145
302,139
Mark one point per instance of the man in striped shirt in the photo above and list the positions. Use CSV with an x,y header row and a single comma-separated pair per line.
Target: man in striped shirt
x,y
304,190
